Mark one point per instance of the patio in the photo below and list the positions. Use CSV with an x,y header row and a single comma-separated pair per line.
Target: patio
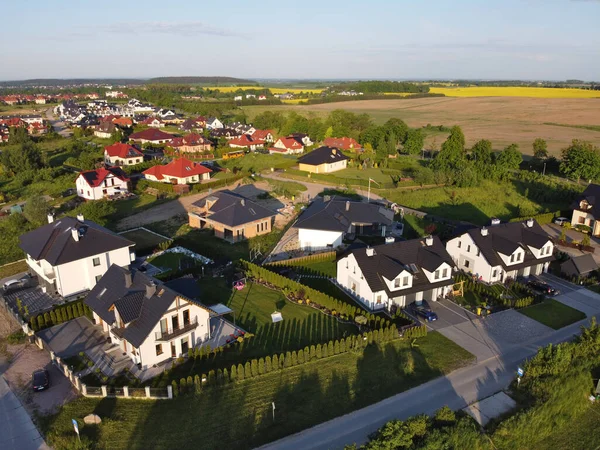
x,y
72,337
34,298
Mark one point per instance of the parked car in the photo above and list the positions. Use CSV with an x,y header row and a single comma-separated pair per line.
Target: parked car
x,y
560,221
541,287
425,312
40,380
12,285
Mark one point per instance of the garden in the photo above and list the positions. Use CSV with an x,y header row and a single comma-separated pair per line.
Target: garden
x,y
145,241
553,314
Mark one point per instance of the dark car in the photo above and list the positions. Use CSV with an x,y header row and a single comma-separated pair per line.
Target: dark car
x,y
426,313
40,380
541,288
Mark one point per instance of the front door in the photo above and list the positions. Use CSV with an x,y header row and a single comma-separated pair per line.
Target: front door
x,y
173,350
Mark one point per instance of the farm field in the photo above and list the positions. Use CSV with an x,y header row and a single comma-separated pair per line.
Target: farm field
x,y
274,90
514,91
502,120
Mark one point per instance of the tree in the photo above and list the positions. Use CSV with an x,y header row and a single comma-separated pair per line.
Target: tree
x,y
20,159
581,160
540,149
508,160
97,211
481,153
36,210
451,158
413,144
398,128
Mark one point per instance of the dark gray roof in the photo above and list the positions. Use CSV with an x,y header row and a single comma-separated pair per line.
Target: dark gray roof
x,y
322,155
140,302
54,242
389,260
592,195
582,264
186,286
339,214
233,210
506,238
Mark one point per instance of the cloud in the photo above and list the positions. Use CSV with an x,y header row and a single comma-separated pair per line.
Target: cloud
x,y
182,28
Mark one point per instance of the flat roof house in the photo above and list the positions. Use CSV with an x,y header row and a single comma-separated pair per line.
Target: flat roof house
x,y
326,222
232,216
398,273
178,171
503,251
149,322
101,183
120,154
323,160
70,255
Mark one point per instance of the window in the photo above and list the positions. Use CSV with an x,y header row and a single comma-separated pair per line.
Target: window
x,y
96,262
459,244
518,256
582,220
495,273
405,281
257,227
159,350
437,274
445,273
186,317
354,270
512,258
468,249
478,252
379,299
397,282
98,278
467,263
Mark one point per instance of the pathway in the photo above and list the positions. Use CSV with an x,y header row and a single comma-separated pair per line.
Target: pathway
x,y
58,125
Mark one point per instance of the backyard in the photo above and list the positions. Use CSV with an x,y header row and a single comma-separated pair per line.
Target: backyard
x,y
239,415
145,241
552,313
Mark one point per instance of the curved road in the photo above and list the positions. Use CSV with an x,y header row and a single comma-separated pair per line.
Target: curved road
x,y
58,125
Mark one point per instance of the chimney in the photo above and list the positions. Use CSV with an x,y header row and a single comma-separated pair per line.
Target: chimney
x,y
495,221
80,217
347,205
429,241
334,151
75,234
150,290
484,231
50,217
128,280
370,251
529,223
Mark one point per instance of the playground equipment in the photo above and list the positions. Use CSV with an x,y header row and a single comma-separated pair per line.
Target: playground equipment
x,y
458,289
240,282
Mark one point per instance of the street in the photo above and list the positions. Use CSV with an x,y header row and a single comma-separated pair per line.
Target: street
x,y
58,126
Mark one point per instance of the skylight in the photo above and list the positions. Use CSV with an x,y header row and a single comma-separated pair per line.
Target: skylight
x,y
102,292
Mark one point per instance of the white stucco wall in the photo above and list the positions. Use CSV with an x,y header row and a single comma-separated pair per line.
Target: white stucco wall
x,y
319,239
477,264
84,190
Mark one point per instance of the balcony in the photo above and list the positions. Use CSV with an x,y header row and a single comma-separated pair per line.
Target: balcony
x,y
174,332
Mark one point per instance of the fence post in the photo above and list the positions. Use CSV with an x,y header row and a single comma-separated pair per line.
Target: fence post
x,y
125,391
148,392
169,391
84,389
104,391
52,356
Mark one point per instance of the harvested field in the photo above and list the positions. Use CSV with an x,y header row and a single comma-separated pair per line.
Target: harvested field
x,y
503,120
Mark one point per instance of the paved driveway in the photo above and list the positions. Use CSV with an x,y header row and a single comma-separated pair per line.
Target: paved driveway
x,y
72,337
575,296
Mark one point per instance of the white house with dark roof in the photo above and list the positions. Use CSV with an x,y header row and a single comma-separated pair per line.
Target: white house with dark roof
x,y
149,322
586,209
398,273
323,160
70,255
326,222
501,251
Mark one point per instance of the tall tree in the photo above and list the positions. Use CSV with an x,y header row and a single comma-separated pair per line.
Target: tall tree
x,y
508,160
36,210
581,160
413,144
398,128
451,157
540,149
25,157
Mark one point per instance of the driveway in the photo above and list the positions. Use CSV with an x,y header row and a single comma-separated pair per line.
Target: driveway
x,y
59,126
572,235
72,337
575,296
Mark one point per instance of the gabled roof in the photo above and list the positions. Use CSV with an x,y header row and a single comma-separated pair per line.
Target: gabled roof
x,y
122,151
322,155
232,209
583,264
106,127
246,140
591,194
189,139
151,134
390,260
290,143
343,143
339,214
54,242
140,302
178,168
94,178
261,134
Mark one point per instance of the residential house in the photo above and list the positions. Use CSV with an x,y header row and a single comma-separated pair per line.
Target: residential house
x,y
579,266
287,146
150,322
238,98
265,135
501,251
323,160
120,154
191,143
397,274
124,122
246,141
227,133
343,143
70,255
212,123
153,122
232,216
303,138
105,130
178,171
101,183
190,125
326,222
152,136
586,209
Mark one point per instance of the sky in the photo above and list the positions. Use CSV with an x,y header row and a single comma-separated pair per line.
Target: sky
x,y
374,39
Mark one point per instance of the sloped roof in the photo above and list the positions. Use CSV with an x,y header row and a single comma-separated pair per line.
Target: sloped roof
x,y
189,139
151,134
583,264
233,210
140,302
339,214
344,143
322,155
246,140
290,143
122,151
178,168
54,242
94,178
591,194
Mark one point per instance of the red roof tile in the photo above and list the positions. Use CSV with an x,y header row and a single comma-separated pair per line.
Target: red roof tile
x,y
95,177
343,143
289,142
151,134
122,151
178,168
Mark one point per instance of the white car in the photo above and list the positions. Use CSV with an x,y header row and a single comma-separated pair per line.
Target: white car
x,y
560,221
11,284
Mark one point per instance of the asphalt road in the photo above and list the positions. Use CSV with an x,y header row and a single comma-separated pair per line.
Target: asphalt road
x,y
457,390
59,126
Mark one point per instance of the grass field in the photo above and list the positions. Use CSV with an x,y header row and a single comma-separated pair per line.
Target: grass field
x,y
581,434
239,415
274,90
144,240
514,91
553,314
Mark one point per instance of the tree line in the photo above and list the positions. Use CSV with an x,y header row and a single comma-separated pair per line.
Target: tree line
x,y
380,86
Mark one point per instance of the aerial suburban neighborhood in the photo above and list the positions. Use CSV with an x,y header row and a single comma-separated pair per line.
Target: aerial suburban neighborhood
x,y
390,241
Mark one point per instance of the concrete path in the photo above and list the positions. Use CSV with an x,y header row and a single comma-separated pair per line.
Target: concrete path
x,y
575,296
59,126
17,431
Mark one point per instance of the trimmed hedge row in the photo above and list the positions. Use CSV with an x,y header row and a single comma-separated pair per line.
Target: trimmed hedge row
x,y
59,315
542,219
300,261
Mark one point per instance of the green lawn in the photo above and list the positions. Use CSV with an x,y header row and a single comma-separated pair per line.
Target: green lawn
x,y
286,189
135,205
257,162
145,241
552,313
581,434
167,261
239,415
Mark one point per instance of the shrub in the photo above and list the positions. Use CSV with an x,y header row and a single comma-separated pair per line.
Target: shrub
x,y
268,366
247,370
197,384
261,366
233,375
175,388
240,372
183,386
275,363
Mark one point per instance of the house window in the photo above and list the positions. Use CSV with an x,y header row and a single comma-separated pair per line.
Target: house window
x,y
379,299
96,262
405,281
98,278
512,258
467,263
159,350
353,287
397,282
518,257
468,249
582,220
445,273
186,317
495,273
257,227
459,244
478,252
354,270
437,274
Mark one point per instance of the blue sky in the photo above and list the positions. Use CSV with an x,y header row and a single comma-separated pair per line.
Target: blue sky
x,y
493,39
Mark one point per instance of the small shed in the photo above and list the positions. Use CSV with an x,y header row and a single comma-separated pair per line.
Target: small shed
x,y
579,266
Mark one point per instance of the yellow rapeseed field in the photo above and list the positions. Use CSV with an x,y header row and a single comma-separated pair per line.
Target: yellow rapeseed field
x,y
491,91
273,90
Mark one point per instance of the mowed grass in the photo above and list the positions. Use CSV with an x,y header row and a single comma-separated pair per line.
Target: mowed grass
x,y
144,239
553,314
514,91
239,415
581,434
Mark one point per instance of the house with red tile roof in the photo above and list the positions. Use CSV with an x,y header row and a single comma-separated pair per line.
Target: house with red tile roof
x,y
191,143
122,155
265,135
246,141
123,122
102,183
343,143
151,135
287,146
153,122
179,171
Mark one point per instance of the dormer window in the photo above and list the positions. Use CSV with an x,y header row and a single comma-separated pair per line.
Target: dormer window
x,y
584,205
445,273
397,283
518,257
512,258
405,281
437,274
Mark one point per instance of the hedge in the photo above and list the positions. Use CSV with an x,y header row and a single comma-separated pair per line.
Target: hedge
x,y
542,219
59,314
300,261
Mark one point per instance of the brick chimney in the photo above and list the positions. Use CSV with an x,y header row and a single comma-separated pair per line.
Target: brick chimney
x,y
128,279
